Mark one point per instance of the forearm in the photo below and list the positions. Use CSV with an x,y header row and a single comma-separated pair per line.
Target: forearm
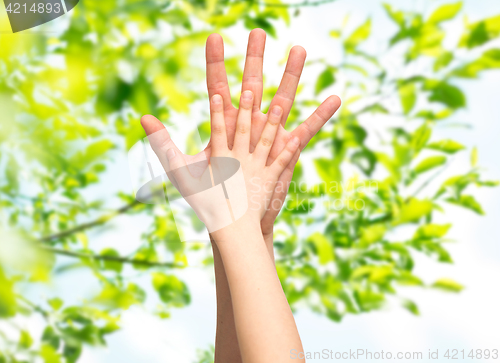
x,y
264,322
226,341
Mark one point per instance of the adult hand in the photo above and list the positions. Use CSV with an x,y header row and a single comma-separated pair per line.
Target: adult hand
x,y
256,181
253,80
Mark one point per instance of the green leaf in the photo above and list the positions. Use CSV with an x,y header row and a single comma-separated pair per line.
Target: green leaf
x,y
72,352
469,202
25,340
372,234
49,354
481,32
369,300
375,108
111,265
171,290
327,170
443,60
323,247
356,68
325,79
406,278
490,59
447,146
411,307
56,303
429,163
7,297
115,297
408,96
445,12
260,22
446,94
397,16
146,253
432,230
488,183
12,173
473,157
335,33
412,211
98,149
50,337
430,115
448,285
420,137
357,36
364,159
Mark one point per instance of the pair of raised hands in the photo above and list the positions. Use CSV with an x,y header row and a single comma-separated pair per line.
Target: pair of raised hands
x,y
237,186
266,152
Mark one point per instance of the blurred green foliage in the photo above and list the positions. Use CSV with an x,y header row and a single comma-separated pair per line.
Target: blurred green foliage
x,y
71,101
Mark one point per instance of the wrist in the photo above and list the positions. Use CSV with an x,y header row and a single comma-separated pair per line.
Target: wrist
x,y
246,226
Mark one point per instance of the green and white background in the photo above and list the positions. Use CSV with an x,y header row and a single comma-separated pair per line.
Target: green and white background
x,y
417,269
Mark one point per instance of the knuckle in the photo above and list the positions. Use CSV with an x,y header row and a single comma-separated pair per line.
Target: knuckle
x,y
266,142
217,129
282,162
274,120
242,129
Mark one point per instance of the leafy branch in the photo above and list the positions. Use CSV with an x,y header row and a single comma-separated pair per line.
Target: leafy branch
x,y
100,221
90,256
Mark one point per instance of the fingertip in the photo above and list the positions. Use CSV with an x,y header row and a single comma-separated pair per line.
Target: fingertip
x,y
214,49
335,100
258,32
330,106
151,124
298,51
246,100
214,38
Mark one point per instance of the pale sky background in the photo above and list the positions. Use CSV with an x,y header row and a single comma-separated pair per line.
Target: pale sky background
x,y
469,320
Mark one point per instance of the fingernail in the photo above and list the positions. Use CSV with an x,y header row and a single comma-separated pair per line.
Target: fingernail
x,y
247,95
276,111
216,99
170,154
296,140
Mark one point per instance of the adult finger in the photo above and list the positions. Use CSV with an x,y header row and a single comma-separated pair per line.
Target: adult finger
x,y
281,190
252,73
218,136
216,71
284,158
310,127
244,124
287,89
